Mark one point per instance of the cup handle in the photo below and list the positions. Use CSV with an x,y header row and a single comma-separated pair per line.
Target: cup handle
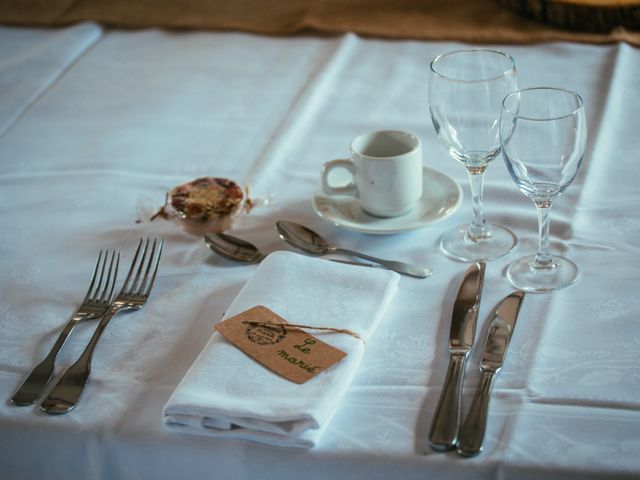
x,y
349,189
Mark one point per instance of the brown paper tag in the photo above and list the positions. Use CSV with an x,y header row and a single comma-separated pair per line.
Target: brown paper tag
x,y
290,352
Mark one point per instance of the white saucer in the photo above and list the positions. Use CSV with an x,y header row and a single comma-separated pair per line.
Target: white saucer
x,y
441,196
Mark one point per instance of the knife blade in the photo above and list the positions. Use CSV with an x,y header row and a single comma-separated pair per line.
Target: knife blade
x,y
495,350
446,418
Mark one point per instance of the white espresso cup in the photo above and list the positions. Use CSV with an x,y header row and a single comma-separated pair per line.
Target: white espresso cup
x,y
386,167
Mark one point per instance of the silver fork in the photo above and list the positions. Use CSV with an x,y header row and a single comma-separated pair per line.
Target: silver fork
x,y
95,304
133,295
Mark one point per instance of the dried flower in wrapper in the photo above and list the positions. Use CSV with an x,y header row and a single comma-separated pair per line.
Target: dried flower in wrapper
x,y
207,204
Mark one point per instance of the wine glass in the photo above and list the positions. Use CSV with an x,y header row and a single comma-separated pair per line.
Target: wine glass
x,y
543,133
466,89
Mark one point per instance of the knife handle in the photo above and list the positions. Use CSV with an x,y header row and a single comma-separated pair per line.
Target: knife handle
x,y
473,429
446,419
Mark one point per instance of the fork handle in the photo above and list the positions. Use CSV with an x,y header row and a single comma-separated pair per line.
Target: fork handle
x,y
64,396
39,378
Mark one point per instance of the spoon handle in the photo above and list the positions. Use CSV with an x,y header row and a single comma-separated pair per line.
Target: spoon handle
x,y
348,262
400,267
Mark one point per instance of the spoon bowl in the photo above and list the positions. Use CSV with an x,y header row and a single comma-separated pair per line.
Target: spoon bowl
x,y
233,248
302,238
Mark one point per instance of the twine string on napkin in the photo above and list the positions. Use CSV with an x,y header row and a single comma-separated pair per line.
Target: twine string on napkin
x,y
295,326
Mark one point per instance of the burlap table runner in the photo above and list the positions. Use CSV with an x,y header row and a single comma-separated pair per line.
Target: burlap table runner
x,y
477,21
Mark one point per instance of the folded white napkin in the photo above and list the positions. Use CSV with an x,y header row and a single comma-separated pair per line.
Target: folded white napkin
x,y
227,394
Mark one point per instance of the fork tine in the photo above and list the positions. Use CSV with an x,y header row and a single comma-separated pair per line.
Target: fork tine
x,y
134,285
133,264
99,286
109,280
102,272
143,283
155,269
93,277
115,276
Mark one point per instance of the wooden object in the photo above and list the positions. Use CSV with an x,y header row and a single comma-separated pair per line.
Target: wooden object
x,y
472,21
586,15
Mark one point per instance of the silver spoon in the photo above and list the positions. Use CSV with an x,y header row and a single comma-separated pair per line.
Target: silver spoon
x,y
310,242
236,249
233,248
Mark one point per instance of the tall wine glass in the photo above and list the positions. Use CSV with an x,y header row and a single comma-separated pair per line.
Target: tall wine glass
x,y
466,88
543,134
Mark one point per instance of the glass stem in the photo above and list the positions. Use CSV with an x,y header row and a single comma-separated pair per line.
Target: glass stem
x,y
543,258
478,228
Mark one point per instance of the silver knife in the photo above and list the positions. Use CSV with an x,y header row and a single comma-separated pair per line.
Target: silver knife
x,y
446,419
500,331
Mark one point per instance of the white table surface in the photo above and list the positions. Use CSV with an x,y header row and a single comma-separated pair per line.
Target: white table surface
x,y
109,121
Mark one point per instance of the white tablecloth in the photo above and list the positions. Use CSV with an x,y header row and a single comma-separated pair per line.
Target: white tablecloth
x,y
32,60
91,149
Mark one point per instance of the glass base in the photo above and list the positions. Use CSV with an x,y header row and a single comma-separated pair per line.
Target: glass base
x,y
523,276
457,244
